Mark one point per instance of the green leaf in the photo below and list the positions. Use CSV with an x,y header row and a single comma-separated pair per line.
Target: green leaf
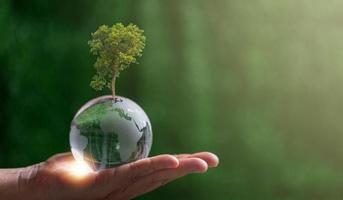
x,y
116,48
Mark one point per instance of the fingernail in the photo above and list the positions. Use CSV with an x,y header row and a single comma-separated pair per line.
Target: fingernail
x,y
216,160
201,167
174,162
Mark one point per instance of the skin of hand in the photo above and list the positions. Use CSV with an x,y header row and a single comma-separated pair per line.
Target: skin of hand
x,y
53,179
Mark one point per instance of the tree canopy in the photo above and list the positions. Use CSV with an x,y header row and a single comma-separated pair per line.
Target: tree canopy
x,y
116,48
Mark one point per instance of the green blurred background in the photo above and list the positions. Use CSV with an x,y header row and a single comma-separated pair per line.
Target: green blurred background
x,y
257,82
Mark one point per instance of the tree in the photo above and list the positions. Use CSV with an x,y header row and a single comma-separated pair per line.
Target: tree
x,y
116,48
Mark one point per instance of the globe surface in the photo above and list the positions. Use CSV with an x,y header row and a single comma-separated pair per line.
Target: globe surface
x,y
108,132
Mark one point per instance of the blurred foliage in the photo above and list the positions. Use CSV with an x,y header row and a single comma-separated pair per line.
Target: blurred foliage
x,y
257,82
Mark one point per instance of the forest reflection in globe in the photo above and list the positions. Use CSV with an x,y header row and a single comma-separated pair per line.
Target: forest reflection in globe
x,y
108,132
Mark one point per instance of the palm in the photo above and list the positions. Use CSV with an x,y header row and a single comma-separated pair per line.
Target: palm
x,y
55,180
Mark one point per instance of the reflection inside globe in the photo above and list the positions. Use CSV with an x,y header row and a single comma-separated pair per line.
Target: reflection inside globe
x,y
109,131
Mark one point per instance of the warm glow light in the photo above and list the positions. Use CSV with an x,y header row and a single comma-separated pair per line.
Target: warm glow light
x,y
79,169
74,169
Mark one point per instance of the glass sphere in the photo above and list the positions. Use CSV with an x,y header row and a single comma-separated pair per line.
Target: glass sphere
x,y
108,132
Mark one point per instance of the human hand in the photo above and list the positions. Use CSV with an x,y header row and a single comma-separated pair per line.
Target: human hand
x,y
55,179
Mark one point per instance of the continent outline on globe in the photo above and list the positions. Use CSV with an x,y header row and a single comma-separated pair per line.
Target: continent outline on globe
x,y
105,141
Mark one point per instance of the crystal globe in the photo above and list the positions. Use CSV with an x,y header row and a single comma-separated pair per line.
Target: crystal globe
x,y
108,132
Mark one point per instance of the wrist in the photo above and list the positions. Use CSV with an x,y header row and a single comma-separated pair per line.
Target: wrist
x,y
9,187
18,183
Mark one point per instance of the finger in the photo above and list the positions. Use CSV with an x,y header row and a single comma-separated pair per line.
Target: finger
x,y
186,166
129,173
149,165
210,158
156,179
